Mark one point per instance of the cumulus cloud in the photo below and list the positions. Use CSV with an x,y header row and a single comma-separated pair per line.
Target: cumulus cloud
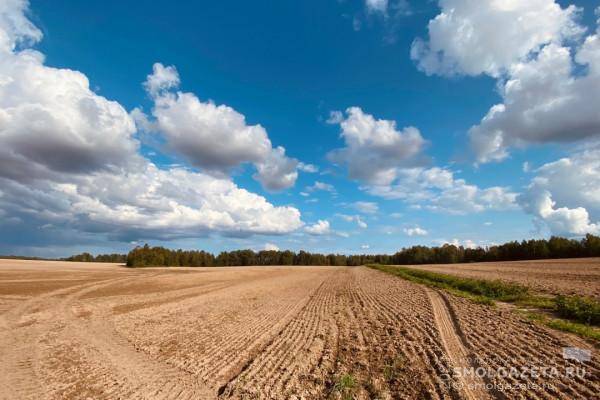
x,y
464,38
415,231
549,79
68,157
543,102
152,203
321,227
375,149
436,189
277,172
161,79
16,28
215,138
564,196
560,220
51,123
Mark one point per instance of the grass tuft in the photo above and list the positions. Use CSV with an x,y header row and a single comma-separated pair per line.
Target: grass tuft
x,y
392,368
345,386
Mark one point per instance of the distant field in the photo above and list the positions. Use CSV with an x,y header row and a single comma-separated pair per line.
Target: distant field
x,y
560,276
102,331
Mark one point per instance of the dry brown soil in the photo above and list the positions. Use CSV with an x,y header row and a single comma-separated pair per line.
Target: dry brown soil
x,y
102,331
561,276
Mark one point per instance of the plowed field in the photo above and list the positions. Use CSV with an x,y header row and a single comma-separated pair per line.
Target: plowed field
x,y
579,276
101,331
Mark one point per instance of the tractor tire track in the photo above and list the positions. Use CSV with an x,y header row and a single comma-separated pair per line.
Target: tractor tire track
x,y
472,387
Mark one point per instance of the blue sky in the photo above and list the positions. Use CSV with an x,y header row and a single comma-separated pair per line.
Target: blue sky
x,y
288,66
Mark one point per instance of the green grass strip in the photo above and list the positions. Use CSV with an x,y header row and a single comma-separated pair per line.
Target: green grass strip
x,y
583,330
579,315
480,288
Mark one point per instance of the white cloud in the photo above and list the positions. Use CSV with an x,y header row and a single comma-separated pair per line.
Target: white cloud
x,y
543,101
364,246
353,218
385,161
68,158
277,172
161,79
467,243
365,207
548,78
150,203
346,217
361,224
326,187
335,117
377,5
474,37
271,247
564,196
375,150
561,220
214,137
436,189
308,168
321,227
16,29
51,123
415,231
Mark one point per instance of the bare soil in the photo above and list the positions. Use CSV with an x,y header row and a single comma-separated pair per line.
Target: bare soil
x,y
102,331
579,276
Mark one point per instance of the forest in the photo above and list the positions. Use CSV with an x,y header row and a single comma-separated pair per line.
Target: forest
x,y
534,249
108,258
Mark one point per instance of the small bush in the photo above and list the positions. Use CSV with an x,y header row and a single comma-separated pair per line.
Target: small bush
x,y
581,309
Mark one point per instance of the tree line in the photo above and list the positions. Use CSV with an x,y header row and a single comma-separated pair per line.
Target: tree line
x,y
108,258
534,249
